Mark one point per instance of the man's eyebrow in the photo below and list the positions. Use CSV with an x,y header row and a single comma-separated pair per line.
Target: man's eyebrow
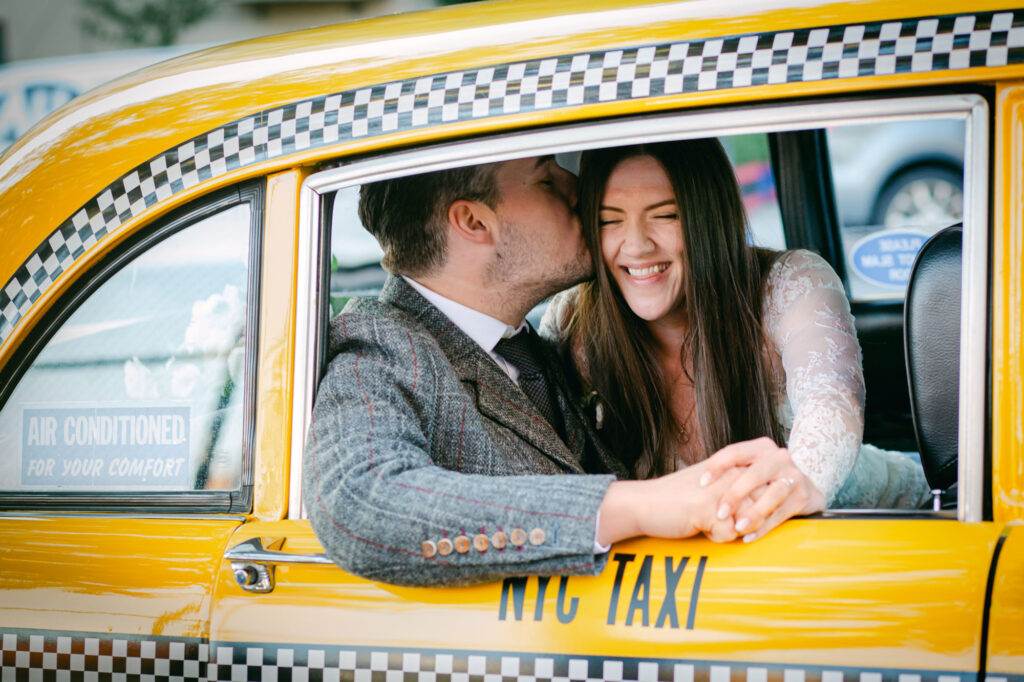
x,y
541,160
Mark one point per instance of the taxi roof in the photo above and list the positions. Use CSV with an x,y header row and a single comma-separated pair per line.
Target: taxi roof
x,y
58,177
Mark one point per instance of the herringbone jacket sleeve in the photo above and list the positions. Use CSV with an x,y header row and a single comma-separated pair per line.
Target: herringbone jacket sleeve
x,y
398,459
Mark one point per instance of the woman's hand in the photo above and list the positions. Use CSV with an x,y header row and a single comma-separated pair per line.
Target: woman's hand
x,y
770,490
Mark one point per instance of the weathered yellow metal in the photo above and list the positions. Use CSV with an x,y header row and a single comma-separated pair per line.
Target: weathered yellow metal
x,y
824,592
1006,646
277,345
134,576
1008,306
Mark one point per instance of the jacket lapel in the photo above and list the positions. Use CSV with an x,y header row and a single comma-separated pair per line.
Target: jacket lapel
x,y
498,397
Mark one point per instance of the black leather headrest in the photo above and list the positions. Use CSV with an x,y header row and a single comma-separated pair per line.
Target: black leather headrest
x,y
931,333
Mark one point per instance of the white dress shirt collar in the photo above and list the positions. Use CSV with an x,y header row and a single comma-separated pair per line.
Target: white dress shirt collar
x,y
480,327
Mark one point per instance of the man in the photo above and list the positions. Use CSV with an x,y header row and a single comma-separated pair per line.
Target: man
x,y
427,462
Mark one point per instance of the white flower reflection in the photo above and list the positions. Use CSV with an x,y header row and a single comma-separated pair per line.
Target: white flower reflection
x,y
139,382
216,323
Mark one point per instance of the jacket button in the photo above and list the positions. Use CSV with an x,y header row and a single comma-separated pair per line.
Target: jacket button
x,y
537,536
429,548
480,543
498,540
462,544
517,537
444,547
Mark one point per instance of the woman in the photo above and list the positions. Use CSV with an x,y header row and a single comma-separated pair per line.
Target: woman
x,y
691,340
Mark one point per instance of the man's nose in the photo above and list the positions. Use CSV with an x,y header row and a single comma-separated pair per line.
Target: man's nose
x,y
569,187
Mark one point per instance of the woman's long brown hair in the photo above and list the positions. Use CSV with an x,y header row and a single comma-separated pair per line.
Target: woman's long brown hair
x,y
723,283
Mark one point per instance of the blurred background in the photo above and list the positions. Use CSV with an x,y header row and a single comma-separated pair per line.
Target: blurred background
x,y
53,50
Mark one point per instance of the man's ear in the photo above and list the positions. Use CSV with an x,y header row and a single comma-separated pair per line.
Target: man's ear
x,y
472,221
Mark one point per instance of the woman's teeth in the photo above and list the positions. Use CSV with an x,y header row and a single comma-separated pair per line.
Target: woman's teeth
x,y
649,270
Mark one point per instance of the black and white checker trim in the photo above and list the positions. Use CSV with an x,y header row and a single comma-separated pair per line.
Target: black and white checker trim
x,y
55,655
48,655
986,39
267,663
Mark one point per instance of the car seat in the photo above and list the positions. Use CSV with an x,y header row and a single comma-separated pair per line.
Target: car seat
x,y
931,334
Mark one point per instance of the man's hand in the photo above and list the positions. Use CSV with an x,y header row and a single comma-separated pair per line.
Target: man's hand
x,y
683,503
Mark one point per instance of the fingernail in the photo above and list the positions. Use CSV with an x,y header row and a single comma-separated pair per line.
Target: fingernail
x,y
705,479
750,537
723,511
742,525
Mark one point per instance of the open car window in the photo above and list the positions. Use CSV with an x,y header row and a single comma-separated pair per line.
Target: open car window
x,y
351,265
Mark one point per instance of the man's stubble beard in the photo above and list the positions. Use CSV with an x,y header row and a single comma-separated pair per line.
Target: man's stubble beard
x,y
516,273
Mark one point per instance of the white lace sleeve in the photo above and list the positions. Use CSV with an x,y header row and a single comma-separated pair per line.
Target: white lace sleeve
x,y
556,315
807,317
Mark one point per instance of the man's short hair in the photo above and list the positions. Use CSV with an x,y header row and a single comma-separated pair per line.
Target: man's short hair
x,y
409,215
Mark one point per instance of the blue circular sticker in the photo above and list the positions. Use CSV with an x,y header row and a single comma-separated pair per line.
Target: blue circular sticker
x,y
887,257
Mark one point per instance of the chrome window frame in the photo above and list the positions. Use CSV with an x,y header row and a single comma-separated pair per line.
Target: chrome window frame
x,y
972,108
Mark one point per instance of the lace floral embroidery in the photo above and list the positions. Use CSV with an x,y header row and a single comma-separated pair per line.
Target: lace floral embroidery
x,y
819,380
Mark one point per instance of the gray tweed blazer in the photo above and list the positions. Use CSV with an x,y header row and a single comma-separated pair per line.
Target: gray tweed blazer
x,y
419,439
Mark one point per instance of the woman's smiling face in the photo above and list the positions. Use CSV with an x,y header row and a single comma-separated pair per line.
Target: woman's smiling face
x,y
642,238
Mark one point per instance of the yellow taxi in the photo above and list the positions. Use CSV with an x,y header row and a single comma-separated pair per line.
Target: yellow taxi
x,y
174,243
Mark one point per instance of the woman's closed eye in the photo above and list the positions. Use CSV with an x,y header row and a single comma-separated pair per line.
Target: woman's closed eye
x,y
667,211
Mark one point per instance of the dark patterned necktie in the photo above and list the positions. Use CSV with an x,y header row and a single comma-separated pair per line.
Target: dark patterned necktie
x,y
521,351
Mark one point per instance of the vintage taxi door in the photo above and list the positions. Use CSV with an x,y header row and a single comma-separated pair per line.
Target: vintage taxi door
x,y
125,460
893,598
818,599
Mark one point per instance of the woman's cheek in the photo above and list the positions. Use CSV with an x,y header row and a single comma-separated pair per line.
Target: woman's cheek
x,y
607,252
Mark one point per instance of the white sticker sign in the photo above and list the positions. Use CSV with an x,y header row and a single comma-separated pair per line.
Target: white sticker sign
x,y
105,446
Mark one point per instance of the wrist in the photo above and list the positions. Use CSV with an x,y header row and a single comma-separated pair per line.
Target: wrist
x,y
618,515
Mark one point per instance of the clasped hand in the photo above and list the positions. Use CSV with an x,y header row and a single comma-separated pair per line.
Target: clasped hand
x,y
752,487
743,490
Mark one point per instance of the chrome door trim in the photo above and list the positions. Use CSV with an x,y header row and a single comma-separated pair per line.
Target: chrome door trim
x,y
974,316
971,108
262,551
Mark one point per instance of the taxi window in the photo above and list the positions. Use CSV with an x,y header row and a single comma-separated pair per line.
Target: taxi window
x,y
780,168
141,388
896,183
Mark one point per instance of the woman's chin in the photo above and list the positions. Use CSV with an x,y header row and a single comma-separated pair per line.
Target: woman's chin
x,y
658,313
650,313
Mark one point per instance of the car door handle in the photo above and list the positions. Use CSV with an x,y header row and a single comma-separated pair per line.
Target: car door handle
x,y
253,561
264,551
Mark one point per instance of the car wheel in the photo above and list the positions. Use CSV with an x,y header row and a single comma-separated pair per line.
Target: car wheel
x,y
927,196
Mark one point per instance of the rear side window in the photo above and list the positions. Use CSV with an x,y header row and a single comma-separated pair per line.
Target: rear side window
x,y
142,387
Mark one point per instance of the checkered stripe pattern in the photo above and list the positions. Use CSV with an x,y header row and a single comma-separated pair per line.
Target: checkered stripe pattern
x,y
913,45
83,656
266,663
